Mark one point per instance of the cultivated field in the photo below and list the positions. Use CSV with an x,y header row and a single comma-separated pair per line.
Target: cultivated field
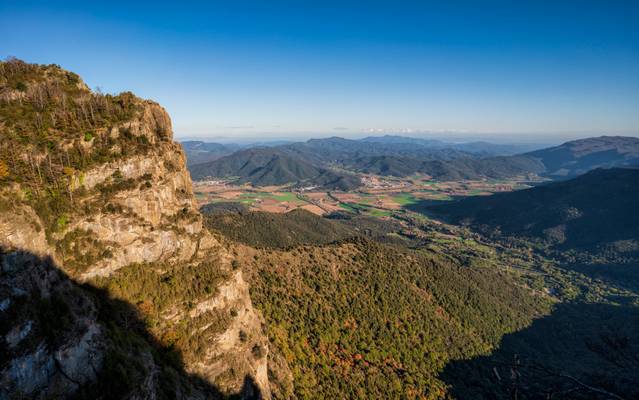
x,y
378,197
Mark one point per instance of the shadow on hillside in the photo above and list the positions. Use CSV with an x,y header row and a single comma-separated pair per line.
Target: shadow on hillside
x,y
125,360
423,207
624,276
558,357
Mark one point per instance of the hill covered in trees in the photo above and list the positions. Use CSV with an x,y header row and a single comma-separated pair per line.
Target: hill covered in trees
x,y
481,148
368,318
361,319
364,319
311,161
448,170
277,230
294,228
269,166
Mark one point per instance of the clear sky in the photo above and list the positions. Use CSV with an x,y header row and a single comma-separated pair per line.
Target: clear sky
x,y
301,68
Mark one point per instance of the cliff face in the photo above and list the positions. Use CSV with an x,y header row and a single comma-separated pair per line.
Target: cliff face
x,y
101,241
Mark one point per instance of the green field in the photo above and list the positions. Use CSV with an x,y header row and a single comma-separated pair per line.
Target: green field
x,y
379,213
348,207
404,199
257,195
365,208
284,196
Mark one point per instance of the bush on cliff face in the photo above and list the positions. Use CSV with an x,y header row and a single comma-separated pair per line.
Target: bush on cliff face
x,y
161,289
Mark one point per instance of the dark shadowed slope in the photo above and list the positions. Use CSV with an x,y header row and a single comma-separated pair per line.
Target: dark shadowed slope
x,y
580,351
591,210
580,156
64,339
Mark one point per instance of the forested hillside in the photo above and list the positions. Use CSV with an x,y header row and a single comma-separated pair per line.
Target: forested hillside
x,y
364,320
294,228
370,319
448,170
268,166
401,156
309,163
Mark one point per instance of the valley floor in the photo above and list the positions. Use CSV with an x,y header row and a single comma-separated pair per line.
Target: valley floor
x,y
379,196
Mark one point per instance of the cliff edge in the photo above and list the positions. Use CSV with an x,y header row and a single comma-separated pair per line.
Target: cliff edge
x,y
106,269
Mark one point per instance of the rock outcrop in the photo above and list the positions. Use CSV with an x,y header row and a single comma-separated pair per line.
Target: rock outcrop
x,y
102,217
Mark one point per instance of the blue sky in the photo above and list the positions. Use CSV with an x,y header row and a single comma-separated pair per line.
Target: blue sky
x,y
301,68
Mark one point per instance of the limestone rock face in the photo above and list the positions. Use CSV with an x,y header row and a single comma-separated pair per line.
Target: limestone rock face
x,y
234,295
134,210
18,229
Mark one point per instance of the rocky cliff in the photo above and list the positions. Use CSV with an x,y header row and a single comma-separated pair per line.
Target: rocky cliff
x,y
109,283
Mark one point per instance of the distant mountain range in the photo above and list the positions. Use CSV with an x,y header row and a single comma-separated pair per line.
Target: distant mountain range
x,y
478,148
315,161
201,152
336,150
589,212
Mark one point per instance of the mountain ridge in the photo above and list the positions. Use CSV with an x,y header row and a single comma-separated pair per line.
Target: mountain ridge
x,y
403,156
270,166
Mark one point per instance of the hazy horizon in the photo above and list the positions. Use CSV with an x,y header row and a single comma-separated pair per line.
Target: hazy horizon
x,y
537,139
